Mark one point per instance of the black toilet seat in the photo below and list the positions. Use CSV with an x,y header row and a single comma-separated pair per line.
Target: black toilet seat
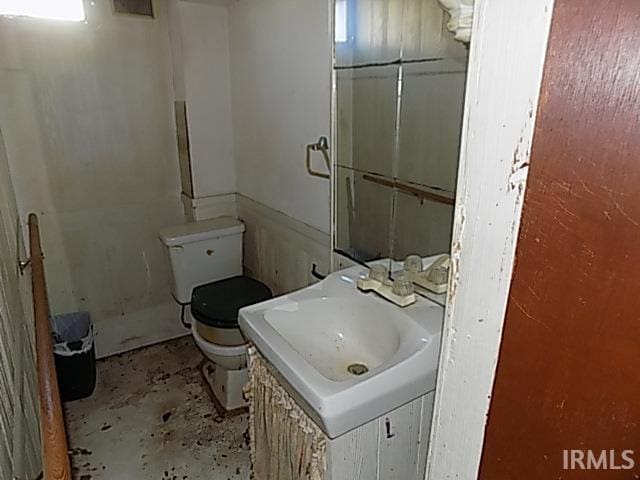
x,y
216,304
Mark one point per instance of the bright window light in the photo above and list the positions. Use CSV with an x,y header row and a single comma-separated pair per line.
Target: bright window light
x,y
340,22
53,9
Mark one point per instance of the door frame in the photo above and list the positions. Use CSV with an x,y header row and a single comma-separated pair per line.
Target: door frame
x,y
506,61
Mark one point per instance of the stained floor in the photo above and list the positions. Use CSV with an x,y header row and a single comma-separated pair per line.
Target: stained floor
x,y
152,417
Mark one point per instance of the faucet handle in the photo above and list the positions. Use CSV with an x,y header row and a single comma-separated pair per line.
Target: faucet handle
x,y
379,273
402,286
413,263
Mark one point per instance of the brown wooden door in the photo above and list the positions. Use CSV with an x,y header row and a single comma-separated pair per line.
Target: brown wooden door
x,y
569,370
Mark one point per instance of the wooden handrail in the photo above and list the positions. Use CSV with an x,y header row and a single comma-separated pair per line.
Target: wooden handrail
x,y
411,189
55,455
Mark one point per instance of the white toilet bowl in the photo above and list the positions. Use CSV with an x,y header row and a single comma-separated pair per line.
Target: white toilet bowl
x,y
226,373
229,358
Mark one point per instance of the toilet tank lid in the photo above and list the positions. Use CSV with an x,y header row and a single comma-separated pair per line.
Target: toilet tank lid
x,y
201,230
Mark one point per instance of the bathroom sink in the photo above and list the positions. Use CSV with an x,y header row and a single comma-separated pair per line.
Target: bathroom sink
x,y
334,333
345,356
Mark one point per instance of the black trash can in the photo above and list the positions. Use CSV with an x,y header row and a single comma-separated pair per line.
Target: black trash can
x,y
75,354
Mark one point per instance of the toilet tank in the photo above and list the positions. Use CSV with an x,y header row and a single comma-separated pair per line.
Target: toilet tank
x,y
203,252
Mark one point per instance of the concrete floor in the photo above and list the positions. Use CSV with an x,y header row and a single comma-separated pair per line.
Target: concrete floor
x,y
152,417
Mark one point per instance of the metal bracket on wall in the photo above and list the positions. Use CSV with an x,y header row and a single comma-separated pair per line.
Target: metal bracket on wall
x,y
23,265
315,273
322,145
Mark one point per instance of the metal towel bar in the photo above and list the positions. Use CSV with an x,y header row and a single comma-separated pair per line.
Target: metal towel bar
x,y
322,145
422,193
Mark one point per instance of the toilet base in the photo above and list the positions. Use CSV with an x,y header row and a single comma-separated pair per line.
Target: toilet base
x,y
226,385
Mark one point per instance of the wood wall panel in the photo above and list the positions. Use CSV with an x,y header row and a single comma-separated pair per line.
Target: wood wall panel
x,y
569,370
19,431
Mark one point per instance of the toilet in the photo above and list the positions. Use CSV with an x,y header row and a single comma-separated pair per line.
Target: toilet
x,y
207,282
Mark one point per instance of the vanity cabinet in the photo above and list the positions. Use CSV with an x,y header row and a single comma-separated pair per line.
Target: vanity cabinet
x,y
287,445
392,447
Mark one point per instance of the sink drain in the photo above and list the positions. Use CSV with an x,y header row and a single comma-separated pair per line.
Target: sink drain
x,y
357,369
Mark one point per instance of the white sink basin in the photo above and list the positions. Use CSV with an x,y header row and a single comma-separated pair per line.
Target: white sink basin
x,y
332,333
346,356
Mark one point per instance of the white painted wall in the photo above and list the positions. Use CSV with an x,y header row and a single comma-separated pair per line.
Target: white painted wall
x,y
87,114
222,3
279,250
280,70
87,110
205,61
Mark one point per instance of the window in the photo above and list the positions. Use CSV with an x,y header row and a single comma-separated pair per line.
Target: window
x,y
341,22
56,10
